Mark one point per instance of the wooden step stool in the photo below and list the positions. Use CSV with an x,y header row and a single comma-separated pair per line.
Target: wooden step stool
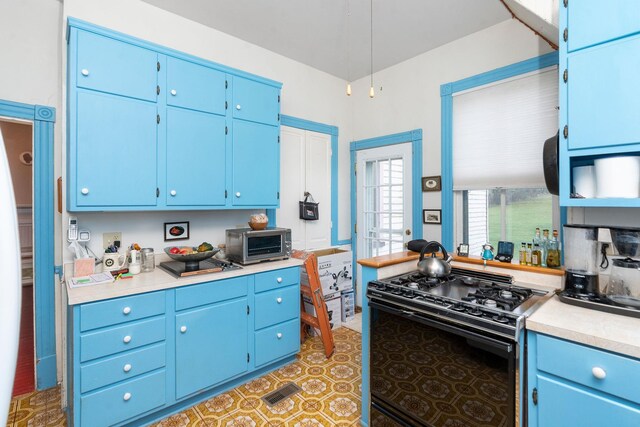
x,y
311,288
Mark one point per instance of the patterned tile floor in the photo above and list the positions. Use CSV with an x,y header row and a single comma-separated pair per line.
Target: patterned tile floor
x,y
330,395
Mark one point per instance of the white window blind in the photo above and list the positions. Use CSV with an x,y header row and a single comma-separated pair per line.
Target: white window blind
x,y
499,130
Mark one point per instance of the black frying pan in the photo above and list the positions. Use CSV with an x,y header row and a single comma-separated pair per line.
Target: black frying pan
x,y
550,163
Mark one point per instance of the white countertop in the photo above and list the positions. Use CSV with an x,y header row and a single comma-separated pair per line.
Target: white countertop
x,y
159,279
619,334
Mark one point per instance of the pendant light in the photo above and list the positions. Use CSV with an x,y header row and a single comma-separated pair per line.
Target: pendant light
x,y
348,49
371,91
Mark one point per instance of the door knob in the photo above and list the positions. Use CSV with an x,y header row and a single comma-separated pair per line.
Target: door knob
x,y
279,300
279,280
173,92
126,396
173,192
183,329
127,367
85,191
279,335
407,232
126,310
127,339
85,72
238,194
238,107
598,372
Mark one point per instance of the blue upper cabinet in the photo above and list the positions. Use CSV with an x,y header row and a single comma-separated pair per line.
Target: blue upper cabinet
x,y
112,66
195,158
150,128
255,168
195,87
595,21
255,101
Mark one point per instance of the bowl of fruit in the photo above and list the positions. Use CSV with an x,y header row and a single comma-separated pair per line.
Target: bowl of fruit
x,y
191,255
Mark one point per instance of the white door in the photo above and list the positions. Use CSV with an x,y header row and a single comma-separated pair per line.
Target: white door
x,y
383,200
305,166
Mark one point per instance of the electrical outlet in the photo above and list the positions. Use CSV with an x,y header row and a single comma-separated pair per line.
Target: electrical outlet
x,y
109,238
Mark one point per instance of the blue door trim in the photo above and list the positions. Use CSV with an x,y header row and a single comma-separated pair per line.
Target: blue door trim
x,y
43,119
446,104
298,123
415,138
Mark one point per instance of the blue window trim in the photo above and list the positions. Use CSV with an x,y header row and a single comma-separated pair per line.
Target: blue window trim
x,y
298,123
446,104
415,138
43,119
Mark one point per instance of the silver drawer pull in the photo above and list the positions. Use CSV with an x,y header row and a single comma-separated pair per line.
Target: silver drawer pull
x,y
279,280
85,72
126,367
183,329
127,339
126,396
279,335
126,310
598,372
279,300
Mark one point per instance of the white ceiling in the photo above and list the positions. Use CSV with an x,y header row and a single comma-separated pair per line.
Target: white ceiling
x,y
315,32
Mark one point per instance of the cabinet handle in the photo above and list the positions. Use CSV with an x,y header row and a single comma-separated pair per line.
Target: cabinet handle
x,y
174,92
126,310
183,329
279,335
126,396
598,372
84,191
173,192
279,280
238,107
85,72
127,339
279,300
127,367
238,194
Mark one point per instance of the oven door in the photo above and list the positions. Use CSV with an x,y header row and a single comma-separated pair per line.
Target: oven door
x,y
427,372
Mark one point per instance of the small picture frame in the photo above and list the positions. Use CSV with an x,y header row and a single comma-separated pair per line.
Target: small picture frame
x,y
432,216
176,231
432,183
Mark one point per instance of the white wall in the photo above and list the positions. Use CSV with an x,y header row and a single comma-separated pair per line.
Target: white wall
x,y
307,93
410,95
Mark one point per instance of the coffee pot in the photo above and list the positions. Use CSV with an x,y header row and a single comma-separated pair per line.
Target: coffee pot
x,y
624,282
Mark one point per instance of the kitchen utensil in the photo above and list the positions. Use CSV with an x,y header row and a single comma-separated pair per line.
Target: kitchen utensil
x,y
626,241
618,176
148,260
433,266
113,261
191,261
550,164
624,283
584,181
581,259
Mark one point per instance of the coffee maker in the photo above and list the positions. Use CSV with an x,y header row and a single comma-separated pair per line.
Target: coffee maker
x,y
581,259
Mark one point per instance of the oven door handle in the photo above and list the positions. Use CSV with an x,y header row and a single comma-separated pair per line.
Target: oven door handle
x,y
483,341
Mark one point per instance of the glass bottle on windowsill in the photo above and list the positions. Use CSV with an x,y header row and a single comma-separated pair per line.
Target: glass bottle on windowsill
x,y
536,255
528,255
553,252
544,247
523,253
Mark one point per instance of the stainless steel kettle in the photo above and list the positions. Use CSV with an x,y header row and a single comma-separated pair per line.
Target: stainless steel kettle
x,y
433,266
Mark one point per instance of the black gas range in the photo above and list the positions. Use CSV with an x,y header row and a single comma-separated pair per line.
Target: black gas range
x,y
447,350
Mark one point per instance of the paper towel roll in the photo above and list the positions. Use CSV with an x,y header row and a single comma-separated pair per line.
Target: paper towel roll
x,y
584,181
618,177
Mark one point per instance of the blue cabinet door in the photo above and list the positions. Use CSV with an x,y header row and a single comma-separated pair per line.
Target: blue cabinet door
x,y
195,158
596,21
195,87
255,101
114,152
113,66
211,346
603,95
255,165
561,404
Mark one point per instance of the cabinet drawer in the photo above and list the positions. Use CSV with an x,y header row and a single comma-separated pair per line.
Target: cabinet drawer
x,y
112,66
123,401
195,87
256,102
595,21
112,312
122,338
277,279
277,306
210,292
116,369
277,341
576,363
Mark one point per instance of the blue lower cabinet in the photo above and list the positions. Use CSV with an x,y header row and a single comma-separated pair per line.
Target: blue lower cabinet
x,y
573,384
211,346
123,401
277,341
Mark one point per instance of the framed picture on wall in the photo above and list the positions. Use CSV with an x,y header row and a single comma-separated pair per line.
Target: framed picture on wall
x,y
176,231
432,216
431,183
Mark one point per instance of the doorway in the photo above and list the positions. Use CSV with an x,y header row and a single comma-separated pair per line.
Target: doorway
x,y
18,139
386,201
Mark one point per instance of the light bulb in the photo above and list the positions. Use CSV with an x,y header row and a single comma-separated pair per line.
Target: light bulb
x,y
348,89
371,92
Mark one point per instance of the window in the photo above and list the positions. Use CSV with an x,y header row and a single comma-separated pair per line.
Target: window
x,y
498,133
